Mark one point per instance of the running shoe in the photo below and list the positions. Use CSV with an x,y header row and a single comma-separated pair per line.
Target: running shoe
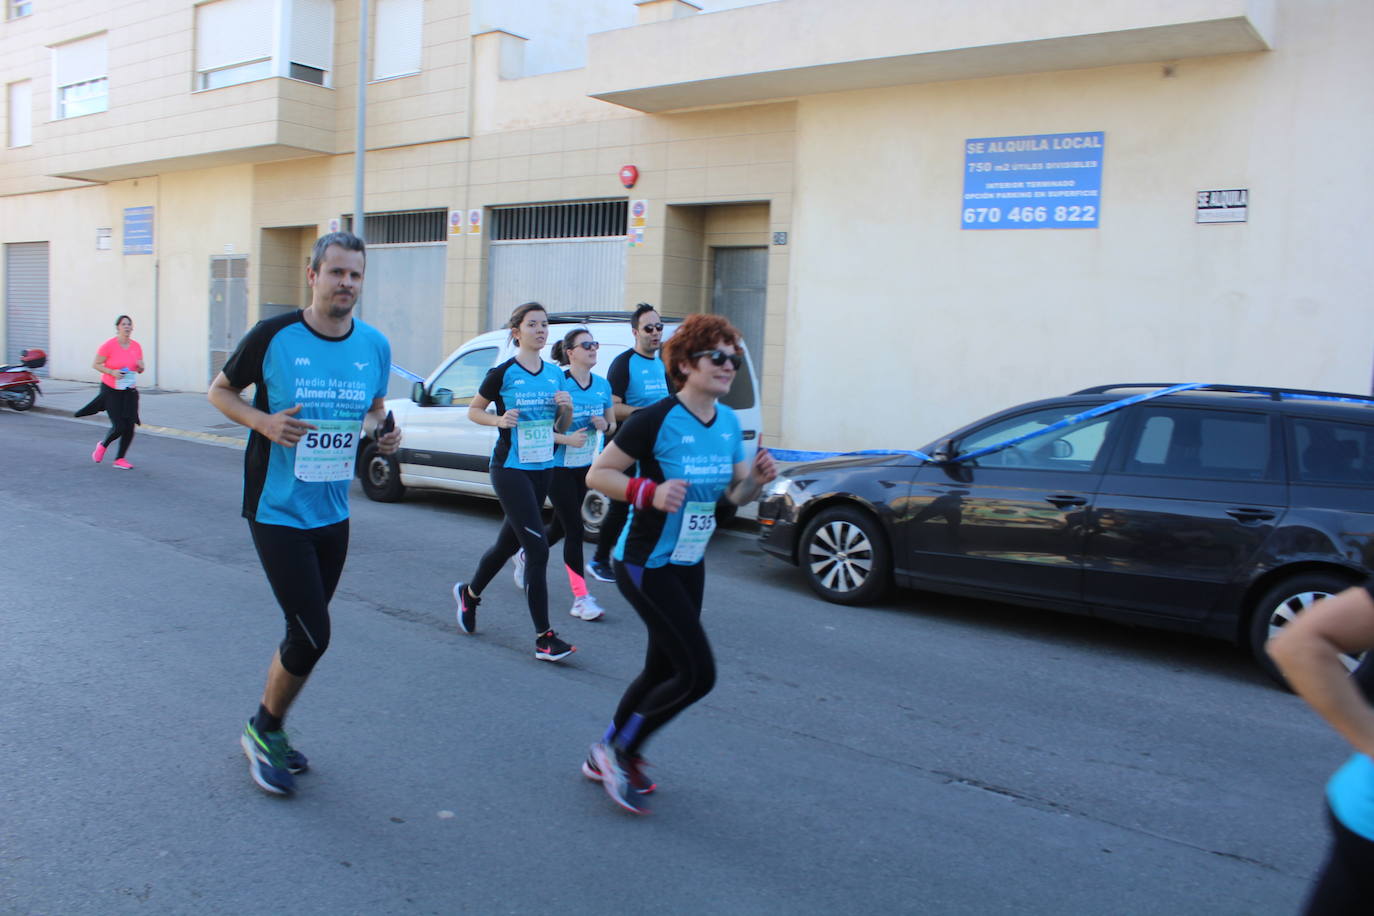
x,y
267,760
601,569
586,608
606,760
549,648
634,772
467,607
99,454
520,569
123,465
296,762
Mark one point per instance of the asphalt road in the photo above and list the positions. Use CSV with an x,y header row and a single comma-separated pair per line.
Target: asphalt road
x,y
925,756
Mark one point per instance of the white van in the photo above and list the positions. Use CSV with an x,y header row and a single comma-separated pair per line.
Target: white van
x,y
444,450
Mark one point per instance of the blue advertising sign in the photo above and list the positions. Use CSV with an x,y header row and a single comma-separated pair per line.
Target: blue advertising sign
x,y
1045,181
138,230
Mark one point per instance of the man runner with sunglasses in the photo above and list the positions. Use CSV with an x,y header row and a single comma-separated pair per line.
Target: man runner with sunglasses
x,y
637,380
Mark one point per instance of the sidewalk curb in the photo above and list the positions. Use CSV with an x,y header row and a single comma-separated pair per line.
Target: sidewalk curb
x,y
165,431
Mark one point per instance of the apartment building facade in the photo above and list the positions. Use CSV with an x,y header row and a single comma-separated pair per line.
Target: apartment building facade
x,y
917,210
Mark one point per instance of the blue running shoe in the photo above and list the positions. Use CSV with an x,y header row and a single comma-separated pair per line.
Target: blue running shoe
x,y
602,570
606,760
267,760
634,771
467,607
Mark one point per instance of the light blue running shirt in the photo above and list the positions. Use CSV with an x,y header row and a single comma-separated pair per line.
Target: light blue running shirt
x,y
510,386
335,380
588,402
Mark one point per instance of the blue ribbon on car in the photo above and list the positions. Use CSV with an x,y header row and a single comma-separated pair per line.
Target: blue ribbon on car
x,y
406,373
1090,414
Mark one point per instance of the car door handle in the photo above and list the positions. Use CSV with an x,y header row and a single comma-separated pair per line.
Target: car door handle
x,y
1250,515
1065,500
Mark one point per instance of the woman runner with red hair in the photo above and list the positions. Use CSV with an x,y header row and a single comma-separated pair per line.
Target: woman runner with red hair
x,y
690,454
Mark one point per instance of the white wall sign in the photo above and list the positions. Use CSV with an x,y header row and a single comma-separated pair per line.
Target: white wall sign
x,y
1231,206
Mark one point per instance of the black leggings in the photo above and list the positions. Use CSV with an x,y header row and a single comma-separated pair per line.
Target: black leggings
x,y
566,492
121,428
522,496
610,529
678,666
1346,884
303,566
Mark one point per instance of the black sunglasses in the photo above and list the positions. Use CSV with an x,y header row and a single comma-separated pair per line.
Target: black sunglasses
x,y
718,357
651,328
588,344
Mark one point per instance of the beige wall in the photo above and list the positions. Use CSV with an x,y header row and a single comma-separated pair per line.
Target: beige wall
x,y
954,323
867,184
197,215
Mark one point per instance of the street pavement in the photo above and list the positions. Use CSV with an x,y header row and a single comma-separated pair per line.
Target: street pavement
x,y
926,755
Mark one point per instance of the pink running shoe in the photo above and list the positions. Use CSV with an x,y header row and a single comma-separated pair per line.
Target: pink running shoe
x,y
123,465
99,454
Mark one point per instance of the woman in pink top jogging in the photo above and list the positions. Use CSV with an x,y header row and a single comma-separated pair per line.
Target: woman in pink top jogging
x,y
119,360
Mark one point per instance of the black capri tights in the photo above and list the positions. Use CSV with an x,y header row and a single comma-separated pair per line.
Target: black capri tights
x,y
1346,884
123,430
303,566
566,492
679,668
522,496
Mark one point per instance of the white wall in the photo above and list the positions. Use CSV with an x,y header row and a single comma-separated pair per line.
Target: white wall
x,y
956,323
557,29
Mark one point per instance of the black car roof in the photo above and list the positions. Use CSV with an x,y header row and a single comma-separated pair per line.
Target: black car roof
x,y
596,317
1285,400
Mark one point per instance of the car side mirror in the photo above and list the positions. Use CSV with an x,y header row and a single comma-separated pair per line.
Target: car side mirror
x,y
946,452
1062,449
417,393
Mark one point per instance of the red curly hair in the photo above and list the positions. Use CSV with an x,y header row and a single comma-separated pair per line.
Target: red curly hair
x,y
696,333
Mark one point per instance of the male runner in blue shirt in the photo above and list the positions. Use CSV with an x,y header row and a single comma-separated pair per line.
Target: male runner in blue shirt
x,y
320,377
637,380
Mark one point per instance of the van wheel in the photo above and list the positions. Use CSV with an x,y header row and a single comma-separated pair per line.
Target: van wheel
x,y
594,507
381,476
844,555
1277,607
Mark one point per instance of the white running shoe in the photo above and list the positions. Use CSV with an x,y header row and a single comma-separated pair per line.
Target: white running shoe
x,y
520,569
586,608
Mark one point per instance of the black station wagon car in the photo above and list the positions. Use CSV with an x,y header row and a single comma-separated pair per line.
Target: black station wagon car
x,y
1219,510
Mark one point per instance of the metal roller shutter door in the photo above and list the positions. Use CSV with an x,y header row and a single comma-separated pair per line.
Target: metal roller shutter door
x,y
26,299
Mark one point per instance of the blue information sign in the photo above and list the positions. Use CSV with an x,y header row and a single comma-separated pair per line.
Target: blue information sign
x,y
138,230
1046,181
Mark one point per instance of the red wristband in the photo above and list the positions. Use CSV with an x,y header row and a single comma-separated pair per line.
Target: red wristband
x,y
639,492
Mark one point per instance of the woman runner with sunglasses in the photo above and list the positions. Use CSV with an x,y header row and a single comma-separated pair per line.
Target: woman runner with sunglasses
x,y
593,415
690,454
531,406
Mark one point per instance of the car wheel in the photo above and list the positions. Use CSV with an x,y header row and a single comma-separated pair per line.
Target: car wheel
x,y
594,506
1278,606
844,556
381,476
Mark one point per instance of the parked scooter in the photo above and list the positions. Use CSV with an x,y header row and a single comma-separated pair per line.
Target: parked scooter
x,y
18,386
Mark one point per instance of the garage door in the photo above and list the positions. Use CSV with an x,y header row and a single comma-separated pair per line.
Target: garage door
x,y
403,289
26,299
570,257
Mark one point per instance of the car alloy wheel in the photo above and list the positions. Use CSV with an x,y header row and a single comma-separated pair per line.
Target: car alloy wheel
x,y
845,556
1281,604
594,508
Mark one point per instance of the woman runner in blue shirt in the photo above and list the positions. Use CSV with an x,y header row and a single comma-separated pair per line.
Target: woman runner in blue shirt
x,y
531,406
593,415
1308,651
690,452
